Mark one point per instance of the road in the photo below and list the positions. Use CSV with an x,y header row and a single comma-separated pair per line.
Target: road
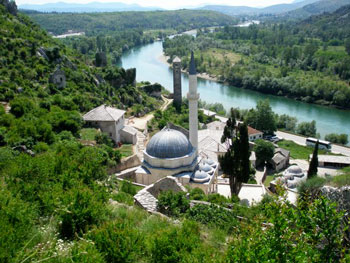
x,y
301,140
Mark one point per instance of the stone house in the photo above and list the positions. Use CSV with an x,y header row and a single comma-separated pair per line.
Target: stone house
x,y
112,122
280,160
58,78
254,134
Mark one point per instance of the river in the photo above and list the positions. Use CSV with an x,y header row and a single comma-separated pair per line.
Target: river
x,y
149,68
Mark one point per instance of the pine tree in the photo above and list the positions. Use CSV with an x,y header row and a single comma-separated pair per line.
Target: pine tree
x,y
314,163
235,163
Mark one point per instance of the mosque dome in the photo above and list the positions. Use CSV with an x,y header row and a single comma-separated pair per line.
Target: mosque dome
x,y
200,177
210,162
293,171
169,143
205,167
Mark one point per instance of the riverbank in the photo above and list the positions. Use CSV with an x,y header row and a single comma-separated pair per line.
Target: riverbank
x,y
206,76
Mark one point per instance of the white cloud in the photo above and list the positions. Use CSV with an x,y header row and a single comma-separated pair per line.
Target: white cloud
x,y
169,4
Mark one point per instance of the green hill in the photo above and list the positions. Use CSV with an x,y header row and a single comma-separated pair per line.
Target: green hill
x,y
101,23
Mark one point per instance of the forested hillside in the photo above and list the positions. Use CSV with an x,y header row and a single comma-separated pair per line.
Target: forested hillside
x,y
280,59
319,7
103,23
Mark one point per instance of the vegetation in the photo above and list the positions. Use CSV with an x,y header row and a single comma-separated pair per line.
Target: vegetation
x,y
235,162
313,163
276,59
298,151
264,151
337,138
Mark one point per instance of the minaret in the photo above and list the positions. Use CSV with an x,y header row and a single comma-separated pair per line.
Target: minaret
x,y
177,83
193,97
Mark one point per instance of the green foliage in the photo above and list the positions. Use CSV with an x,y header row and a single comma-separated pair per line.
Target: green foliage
x,y
235,162
262,118
82,209
103,138
117,241
264,151
313,163
310,189
172,203
307,129
308,240
337,138
127,187
213,216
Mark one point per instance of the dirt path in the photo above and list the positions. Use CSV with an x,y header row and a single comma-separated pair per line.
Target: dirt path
x,y
141,123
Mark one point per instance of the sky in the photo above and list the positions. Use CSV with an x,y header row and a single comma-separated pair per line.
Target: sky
x,y
169,4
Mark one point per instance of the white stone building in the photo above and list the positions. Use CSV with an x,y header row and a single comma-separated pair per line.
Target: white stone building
x,y
171,153
112,122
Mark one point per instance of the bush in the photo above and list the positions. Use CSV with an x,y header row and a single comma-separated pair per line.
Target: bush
x,y
103,138
176,244
214,216
118,241
122,197
127,187
310,189
21,106
83,208
173,204
197,194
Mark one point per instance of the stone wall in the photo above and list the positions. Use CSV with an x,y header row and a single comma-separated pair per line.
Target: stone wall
x,y
339,195
126,163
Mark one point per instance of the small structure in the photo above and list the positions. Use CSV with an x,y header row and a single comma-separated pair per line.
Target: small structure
x,y
177,82
111,121
216,125
147,198
280,160
254,134
128,135
58,78
208,113
333,161
291,178
251,194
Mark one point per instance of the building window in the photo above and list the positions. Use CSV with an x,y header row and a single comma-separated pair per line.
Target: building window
x,y
110,134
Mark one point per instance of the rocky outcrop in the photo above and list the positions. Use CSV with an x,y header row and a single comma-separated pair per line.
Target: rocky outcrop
x,y
10,6
341,196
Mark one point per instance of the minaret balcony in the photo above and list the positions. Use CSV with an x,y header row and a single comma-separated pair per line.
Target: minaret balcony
x,y
191,96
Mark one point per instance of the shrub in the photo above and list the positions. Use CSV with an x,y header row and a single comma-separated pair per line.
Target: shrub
x,y
82,209
127,187
213,215
176,244
125,198
173,204
21,106
118,241
309,190
197,194
103,138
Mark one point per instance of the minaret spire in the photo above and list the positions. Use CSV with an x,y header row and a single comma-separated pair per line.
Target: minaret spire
x,y
193,97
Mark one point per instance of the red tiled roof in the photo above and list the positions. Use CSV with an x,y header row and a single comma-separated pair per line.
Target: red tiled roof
x,y
252,131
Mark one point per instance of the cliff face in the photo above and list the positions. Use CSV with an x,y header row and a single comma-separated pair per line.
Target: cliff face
x,y
341,196
10,6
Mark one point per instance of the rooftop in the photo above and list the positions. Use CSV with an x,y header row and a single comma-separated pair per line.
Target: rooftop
x,y
104,113
333,159
252,131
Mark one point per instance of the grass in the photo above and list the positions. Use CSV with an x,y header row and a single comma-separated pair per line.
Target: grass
x,y
88,134
342,179
298,151
126,150
268,180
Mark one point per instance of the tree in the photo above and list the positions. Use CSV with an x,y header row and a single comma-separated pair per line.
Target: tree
x,y
262,118
347,46
314,163
307,129
235,163
264,151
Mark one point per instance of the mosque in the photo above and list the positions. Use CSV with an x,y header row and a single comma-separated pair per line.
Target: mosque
x,y
171,153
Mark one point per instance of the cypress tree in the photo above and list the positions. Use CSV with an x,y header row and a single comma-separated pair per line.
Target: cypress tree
x,y
313,163
235,163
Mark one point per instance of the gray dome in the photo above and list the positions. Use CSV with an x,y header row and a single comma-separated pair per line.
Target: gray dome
x,y
169,143
205,167
294,170
209,161
200,177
